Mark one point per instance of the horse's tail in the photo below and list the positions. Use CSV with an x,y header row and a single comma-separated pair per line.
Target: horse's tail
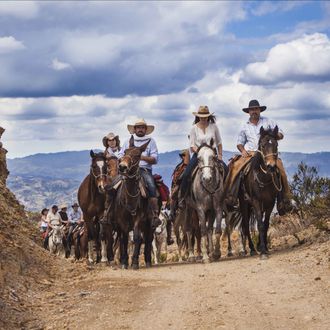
x,y
233,220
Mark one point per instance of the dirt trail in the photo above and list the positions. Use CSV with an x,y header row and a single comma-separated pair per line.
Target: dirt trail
x,y
288,291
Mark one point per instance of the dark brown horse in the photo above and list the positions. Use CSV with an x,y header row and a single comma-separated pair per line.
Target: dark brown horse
x,y
259,188
131,208
91,197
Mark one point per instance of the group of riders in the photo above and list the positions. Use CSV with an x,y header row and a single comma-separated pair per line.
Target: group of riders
x,y
203,131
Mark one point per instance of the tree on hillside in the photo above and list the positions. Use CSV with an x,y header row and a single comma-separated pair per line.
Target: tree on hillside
x,y
309,190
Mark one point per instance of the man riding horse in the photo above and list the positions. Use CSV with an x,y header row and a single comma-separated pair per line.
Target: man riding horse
x,y
149,157
247,144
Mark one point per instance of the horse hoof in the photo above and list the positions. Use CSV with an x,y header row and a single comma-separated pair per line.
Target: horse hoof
x,y
253,253
104,260
191,259
218,256
135,266
242,253
230,254
199,258
124,267
263,256
148,265
206,260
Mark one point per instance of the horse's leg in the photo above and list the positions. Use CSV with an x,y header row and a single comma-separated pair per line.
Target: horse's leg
x,y
104,257
188,230
202,221
210,223
154,250
266,222
148,238
90,234
246,224
123,250
261,228
228,232
218,233
109,238
137,239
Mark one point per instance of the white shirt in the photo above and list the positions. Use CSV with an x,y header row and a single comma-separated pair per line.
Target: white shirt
x,y
151,150
250,134
53,219
198,137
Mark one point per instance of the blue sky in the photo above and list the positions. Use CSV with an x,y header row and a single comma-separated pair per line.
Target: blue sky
x,y
70,72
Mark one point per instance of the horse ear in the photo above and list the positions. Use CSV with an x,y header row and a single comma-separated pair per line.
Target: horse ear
x,y
131,141
92,153
276,131
144,146
262,131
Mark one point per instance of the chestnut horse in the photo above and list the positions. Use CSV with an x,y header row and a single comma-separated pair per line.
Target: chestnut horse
x,y
131,208
91,198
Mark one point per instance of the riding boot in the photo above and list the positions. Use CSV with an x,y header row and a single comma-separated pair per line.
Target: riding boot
x,y
155,222
46,242
169,232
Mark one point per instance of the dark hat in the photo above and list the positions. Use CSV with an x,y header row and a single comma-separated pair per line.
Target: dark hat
x,y
254,104
44,210
75,204
54,207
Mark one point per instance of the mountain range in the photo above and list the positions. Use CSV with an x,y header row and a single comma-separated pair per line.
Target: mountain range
x,y
44,179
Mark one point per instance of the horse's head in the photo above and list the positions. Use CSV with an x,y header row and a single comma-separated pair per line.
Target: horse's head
x,y
206,156
129,163
57,235
99,170
268,147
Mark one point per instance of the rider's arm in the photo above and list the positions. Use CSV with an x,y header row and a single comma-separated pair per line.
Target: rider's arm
x,y
241,148
241,141
192,140
152,157
218,141
220,151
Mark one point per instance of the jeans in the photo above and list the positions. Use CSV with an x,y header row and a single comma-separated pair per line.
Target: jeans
x,y
149,181
186,176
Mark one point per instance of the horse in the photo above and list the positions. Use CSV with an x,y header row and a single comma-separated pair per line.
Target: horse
x,y
130,208
259,188
55,241
91,198
206,198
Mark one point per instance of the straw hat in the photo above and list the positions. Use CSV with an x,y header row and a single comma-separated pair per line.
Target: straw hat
x,y
63,206
203,112
141,122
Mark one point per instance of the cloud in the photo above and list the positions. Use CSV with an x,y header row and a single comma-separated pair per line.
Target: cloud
x,y
306,58
10,44
58,65
21,10
268,7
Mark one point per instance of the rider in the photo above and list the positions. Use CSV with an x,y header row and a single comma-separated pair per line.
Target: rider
x,y
43,225
63,213
53,219
149,157
75,218
247,144
111,143
203,130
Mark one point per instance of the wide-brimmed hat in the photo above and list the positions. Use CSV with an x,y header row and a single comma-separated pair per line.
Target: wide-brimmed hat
x,y
110,136
183,152
254,104
63,206
75,204
203,112
141,122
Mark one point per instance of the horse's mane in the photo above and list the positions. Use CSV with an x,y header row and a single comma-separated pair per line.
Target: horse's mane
x,y
204,145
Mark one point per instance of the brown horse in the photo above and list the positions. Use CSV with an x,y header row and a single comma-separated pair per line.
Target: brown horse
x,y
91,197
259,188
130,208
80,242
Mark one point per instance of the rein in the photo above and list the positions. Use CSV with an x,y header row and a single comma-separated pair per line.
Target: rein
x,y
216,167
97,176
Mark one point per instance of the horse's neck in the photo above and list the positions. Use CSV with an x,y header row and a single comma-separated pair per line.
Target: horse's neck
x,y
92,187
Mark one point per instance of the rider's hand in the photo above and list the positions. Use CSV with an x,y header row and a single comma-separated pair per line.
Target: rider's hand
x,y
245,153
220,157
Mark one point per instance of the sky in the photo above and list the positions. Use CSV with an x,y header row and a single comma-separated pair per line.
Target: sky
x,y
71,72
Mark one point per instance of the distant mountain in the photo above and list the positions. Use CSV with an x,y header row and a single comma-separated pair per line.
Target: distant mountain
x,y
44,179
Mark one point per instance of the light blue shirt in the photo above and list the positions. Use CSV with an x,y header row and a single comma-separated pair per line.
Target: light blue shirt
x,y
250,134
74,217
151,150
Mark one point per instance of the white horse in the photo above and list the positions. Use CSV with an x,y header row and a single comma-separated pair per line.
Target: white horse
x,y
55,242
160,237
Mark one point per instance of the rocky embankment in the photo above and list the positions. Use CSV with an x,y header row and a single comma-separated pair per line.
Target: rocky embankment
x,y
24,265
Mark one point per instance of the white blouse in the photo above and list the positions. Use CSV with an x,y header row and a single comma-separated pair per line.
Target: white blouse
x,y
198,137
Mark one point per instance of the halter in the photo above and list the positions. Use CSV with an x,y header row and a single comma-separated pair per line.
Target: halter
x,y
216,166
131,166
97,176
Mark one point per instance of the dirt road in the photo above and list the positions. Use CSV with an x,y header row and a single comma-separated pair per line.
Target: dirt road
x,y
288,291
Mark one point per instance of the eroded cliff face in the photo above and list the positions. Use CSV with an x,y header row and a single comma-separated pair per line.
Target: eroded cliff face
x,y
23,262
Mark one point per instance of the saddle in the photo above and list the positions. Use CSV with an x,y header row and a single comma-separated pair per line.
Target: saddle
x,y
162,188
